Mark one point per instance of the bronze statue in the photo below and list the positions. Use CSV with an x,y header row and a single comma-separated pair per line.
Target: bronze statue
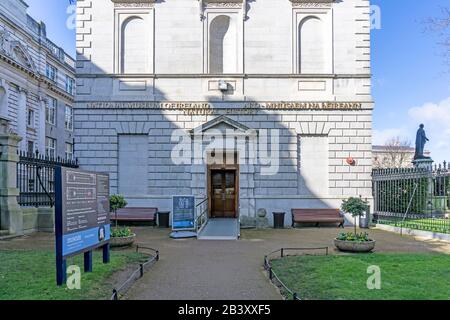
x,y
421,140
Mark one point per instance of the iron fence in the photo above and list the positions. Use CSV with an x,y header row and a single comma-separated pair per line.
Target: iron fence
x,y
36,178
273,276
153,257
416,198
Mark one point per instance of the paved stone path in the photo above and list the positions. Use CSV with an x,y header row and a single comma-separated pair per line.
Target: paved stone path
x,y
194,269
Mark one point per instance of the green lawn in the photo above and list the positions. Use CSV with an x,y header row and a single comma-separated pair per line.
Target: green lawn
x,y
433,225
403,276
26,275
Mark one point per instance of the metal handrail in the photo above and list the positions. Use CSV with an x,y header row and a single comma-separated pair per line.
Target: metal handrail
x,y
202,218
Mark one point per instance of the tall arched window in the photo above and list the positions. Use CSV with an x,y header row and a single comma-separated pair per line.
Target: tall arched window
x,y
312,46
135,46
222,45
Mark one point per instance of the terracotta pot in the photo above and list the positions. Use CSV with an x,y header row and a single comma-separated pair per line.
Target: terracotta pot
x,y
354,246
122,241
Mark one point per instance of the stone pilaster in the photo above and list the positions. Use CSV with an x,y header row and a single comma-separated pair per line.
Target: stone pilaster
x,y
41,143
11,216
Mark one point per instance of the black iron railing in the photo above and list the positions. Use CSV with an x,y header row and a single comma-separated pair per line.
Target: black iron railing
x,y
36,178
138,273
415,198
289,293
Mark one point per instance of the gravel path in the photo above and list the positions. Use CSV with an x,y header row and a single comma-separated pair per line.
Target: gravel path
x,y
205,270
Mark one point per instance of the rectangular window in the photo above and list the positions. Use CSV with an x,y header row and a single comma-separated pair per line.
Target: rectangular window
x,y
51,72
70,85
50,110
30,147
30,118
69,118
69,151
50,147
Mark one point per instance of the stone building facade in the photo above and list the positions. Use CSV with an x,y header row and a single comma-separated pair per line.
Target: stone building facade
x,y
279,88
37,83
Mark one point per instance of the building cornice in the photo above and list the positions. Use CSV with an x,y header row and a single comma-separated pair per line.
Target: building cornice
x,y
238,76
38,77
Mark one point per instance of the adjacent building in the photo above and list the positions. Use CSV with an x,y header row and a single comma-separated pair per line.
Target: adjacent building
x,y
262,104
37,83
394,156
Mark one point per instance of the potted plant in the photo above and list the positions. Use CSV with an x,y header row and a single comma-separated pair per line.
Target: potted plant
x,y
120,236
354,242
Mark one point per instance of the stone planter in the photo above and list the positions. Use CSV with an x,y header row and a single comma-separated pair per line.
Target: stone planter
x,y
116,242
355,246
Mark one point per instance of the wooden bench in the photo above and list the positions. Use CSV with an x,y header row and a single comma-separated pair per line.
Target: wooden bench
x,y
136,215
317,216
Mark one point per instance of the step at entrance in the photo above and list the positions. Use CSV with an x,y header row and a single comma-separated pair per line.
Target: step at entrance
x,y
220,229
4,233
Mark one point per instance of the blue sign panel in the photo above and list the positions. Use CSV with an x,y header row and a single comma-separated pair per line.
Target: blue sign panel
x,y
82,216
90,238
183,213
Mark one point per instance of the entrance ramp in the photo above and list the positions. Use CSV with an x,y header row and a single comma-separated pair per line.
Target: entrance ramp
x,y
220,229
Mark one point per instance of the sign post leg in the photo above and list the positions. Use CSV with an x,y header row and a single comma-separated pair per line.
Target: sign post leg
x,y
61,271
88,261
106,257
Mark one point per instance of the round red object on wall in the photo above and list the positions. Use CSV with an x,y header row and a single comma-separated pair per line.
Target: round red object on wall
x,y
351,161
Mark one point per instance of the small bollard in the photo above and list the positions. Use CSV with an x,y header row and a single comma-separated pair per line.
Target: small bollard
x,y
141,268
115,295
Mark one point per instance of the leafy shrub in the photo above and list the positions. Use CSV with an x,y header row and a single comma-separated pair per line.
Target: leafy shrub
x,y
356,237
355,206
121,232
117,202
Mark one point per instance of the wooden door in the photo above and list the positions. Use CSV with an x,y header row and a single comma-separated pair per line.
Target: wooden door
x,y
223,193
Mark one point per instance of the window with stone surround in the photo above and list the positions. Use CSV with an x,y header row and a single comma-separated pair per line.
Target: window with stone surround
x,y
30,118
313,37
50,147
70,85
69,151
68,123
134,36
223,36
50,110
51,72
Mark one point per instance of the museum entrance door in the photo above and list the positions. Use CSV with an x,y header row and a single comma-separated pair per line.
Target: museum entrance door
x,y
223,193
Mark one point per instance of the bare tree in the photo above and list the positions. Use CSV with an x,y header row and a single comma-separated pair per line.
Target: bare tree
x,y
396,153
441,26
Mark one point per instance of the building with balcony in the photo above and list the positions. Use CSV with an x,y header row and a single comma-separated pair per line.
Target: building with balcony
x,y
262,104
37,83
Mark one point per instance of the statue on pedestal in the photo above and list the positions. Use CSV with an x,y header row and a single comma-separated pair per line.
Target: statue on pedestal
x,y
421,140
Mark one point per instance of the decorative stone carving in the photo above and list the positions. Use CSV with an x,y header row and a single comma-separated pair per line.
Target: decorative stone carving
x,y
225,4
133,3
5,46
312,3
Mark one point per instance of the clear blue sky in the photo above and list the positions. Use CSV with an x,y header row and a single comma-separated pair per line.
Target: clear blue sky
x,y
411,83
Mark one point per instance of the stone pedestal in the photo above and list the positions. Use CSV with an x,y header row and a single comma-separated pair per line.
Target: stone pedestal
x,y
10,212
426,163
